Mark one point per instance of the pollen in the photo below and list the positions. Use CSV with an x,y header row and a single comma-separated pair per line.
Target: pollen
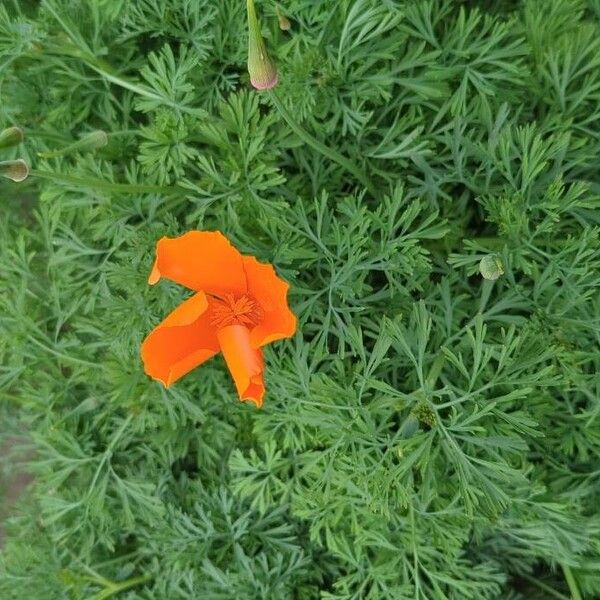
x,y
235,311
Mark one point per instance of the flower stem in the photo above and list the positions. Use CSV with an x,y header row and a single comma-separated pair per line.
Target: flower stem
x,y
543,586
575,595
451,244
105,70
320,146
113,588
107,186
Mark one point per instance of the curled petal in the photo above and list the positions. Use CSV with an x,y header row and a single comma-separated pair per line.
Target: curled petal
x,y
271,293
184,340
245,363
200,260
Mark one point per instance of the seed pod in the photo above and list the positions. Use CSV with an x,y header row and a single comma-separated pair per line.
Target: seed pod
x,y
491,267
15,170
12,136
263,72
91,141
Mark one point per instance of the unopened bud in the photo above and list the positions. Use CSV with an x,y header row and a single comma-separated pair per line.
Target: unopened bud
x,y
15,170
491,267
409,427
11,137
263,72
284,22
91,141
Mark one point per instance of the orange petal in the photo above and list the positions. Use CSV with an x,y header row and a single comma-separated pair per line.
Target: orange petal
x,y
184,340
200,260
245,363
271,293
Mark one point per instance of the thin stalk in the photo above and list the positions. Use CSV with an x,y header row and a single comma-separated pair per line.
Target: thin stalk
x,y
575,595
103,69
107,186
88,143
544,587
38,133
107,72
320,146
119,587
64,356
491,243
110,587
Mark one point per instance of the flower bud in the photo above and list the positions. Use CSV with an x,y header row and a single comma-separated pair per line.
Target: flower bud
x,y
15,170
263,72
491,267
409,427
11,137
284,22
91,141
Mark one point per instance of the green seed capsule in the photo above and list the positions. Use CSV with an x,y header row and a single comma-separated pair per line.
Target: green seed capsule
x,y
491,267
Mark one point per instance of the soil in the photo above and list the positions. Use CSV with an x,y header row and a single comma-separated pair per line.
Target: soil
x,y
12,485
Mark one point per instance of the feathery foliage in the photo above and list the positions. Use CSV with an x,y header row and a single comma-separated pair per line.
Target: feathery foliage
x,y
429,433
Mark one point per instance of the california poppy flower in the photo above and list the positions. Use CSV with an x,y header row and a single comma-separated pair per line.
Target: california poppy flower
x,y
239,306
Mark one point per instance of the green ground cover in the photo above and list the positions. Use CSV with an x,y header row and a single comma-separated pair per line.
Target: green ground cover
x,y
428,433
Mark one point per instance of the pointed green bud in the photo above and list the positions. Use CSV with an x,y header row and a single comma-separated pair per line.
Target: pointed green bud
x,y
491,267
284,22
263,72
12,136
409,427
15,170
91,141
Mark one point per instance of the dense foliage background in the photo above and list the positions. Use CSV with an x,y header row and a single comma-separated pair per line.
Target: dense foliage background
x,y
427,434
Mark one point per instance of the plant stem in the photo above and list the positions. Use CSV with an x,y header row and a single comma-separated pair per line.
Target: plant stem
x,y
107,72
117,587
490,243
320,146
575,595
99,184
64,356
543,586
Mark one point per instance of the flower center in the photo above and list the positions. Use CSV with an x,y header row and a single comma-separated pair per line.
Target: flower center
x,y
229,310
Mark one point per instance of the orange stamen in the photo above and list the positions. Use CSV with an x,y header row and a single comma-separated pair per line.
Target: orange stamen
x,y
228,311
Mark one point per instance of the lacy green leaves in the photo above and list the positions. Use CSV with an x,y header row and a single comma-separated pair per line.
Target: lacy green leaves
x,y
431,431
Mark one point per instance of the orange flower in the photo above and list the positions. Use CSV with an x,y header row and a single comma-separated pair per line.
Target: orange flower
x,y
239,306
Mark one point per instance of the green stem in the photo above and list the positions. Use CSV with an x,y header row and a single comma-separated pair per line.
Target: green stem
x,y
107,186
320,146
449,244
88,143
543,586
115,588
65,139
64,356
490,242
575,595
105,70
